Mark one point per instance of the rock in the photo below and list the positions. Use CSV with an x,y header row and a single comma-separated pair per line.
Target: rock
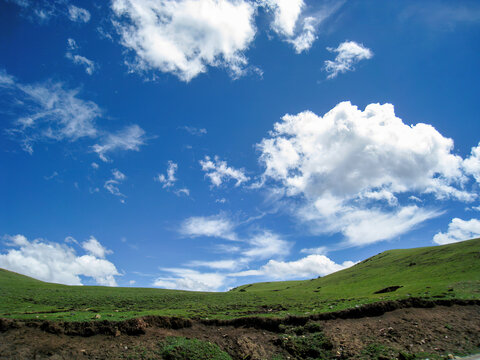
x,y
450,356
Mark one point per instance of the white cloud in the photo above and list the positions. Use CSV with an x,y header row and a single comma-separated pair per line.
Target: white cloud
x,y
363,227
44,10
130,138
169,179
182,191
78,14
111,185
307,37
348,166
471,164
49,112
298,27
95,165
444,15
266,245
53,262
183,37
321,250
50,177
195,131
118,175
71,44
72,48
286,14
88,64
93,247
348,54
16,240
310,266
307,267
22,3
218,171
217,265
187,279
218,226
459,230
71,240
6,80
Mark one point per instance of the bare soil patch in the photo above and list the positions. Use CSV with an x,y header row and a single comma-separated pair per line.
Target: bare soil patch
x,y
436,330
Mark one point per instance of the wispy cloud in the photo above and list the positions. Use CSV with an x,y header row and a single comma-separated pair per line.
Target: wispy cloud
x,y
194,131
443,15
219,226
111,185
72,48
41,11
49,112
130,138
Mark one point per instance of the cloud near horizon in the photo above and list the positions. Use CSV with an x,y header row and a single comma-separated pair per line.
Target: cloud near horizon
x,y
58,263
458,230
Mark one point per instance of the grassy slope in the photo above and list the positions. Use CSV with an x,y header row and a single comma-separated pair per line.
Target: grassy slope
x,y
437,269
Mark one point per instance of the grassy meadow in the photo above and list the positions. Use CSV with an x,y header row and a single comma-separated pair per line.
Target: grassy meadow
x,y
438,272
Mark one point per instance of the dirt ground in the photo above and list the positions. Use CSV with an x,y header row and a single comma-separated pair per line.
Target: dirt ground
x,y
439,330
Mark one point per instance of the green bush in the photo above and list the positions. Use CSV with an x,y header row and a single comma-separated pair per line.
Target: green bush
x,y
180,348
311,346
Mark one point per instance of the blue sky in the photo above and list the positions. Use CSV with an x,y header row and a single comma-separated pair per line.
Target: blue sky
x,y
205,144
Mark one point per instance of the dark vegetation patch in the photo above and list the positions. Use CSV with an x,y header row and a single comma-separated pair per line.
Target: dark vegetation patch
x,y
180,348
388,289
310,346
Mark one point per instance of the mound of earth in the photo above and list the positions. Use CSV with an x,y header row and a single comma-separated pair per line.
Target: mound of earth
x,y
403,333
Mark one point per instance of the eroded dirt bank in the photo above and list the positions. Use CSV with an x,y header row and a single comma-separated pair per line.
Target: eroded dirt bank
x,y
372,333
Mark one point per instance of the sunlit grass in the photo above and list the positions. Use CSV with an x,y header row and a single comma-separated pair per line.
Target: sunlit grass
x,y
439,272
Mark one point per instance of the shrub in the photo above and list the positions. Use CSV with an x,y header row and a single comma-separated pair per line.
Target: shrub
x,y
180,348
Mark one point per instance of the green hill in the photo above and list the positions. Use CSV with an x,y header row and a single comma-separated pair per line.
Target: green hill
x,y
438,272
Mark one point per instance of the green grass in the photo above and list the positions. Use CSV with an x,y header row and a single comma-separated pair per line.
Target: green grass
x,y
439,272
